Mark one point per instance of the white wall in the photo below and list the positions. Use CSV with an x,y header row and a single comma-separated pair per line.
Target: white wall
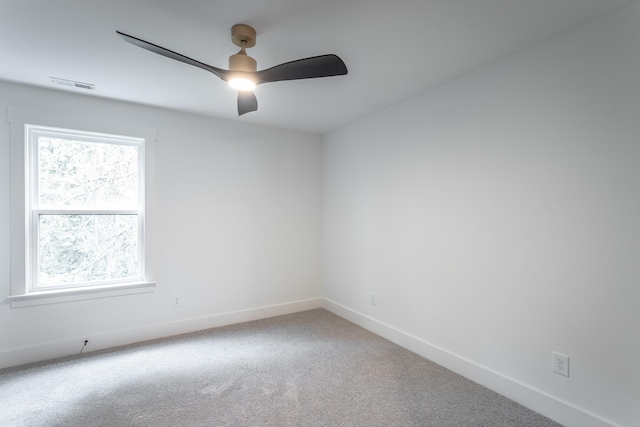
x,y
237,231
497,218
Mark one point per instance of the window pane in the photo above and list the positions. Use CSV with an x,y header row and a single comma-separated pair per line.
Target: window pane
x,y
87,175
87,248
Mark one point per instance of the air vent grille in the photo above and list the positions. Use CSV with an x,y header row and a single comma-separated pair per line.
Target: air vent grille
x,y
71,83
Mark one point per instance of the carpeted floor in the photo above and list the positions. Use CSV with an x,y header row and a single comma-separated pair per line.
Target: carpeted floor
x,y
305,369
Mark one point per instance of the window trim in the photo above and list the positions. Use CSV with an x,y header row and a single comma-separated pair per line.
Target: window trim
x,y
18,117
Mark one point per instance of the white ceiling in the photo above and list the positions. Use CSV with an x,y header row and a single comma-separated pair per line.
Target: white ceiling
x,y
393,49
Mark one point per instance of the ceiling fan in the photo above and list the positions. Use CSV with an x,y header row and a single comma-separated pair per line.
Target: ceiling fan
x,y
242,73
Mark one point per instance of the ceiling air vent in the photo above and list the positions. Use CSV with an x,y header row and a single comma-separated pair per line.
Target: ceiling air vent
x,y
71,83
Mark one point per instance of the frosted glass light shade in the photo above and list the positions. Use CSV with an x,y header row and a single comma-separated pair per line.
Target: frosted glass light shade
x,y
241,83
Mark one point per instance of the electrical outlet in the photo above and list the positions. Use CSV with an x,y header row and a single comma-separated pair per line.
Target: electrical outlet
x,y
374,299
560,364
176,301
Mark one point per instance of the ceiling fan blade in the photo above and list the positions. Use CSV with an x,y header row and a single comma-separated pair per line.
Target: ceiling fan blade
x,y
307,68
247,102
174,55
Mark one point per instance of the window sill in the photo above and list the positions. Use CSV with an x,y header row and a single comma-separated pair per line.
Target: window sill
x,y
79,294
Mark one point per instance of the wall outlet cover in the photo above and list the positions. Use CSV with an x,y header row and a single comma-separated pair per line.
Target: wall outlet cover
x,y
176,301
560,363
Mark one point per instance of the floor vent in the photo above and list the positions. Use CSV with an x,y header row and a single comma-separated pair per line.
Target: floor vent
x,y
71,83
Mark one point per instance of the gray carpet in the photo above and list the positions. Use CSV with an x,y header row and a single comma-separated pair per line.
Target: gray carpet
x,y
305,369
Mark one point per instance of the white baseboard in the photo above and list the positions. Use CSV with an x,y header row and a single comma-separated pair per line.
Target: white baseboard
x,y
71,346
541,402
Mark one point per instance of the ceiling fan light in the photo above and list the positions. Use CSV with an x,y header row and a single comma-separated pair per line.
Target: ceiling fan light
x,y
242,66
242,83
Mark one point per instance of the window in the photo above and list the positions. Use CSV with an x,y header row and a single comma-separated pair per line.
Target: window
x,y
85,208
78,213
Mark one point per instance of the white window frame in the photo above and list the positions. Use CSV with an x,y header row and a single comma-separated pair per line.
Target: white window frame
x,y
34,210
23,218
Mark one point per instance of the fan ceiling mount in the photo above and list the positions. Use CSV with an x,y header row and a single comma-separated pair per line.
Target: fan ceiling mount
x,y
242,73
243,35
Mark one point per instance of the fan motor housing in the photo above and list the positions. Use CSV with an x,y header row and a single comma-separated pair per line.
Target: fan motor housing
x,y
242,62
